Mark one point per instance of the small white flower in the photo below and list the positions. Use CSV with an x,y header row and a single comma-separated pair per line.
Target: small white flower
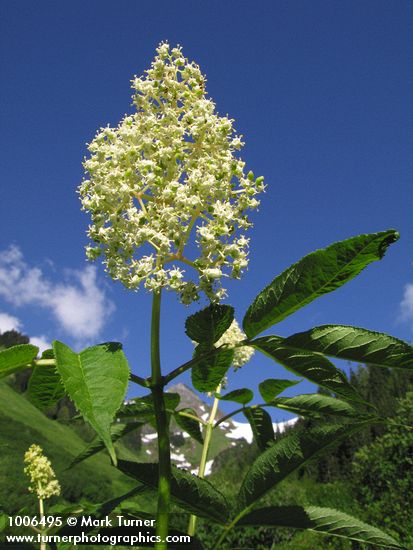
x,y
212,273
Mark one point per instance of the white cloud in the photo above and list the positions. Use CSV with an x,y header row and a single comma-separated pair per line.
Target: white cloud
x,y
406,305
9,322
78,304
41,342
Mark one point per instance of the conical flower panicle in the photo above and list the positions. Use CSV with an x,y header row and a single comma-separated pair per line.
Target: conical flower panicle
x,y
167,174
43,480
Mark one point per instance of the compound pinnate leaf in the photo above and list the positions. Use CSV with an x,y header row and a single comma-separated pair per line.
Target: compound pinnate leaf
x,y
315,403
96,380
321,520
288,454
194,494
316,274
143,407
355,344
311,365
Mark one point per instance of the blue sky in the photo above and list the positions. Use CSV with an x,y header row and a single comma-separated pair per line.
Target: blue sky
x,y
321,92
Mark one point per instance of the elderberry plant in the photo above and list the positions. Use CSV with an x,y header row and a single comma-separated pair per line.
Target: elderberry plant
x,y
166,182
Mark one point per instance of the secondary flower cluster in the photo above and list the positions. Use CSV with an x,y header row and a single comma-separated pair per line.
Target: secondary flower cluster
x,y
233,336
43,480
167,171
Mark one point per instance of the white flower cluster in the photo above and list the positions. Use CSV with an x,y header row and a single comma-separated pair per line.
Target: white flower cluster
x,y
43,480
166,173
232,337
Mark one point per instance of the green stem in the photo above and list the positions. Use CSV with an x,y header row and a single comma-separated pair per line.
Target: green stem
x,y
44,362
229,527
189,415
189,364
185,237
41,513
162,426
241,409
138,380
204,457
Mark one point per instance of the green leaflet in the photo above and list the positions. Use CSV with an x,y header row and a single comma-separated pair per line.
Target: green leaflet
x,y
315,403
261,425
192,493
45,387
288,454
189,425
208,373
313,366
208,325
322,520
243,396
116,432
96,380
142,407
355,344
16,358
272,387
316,274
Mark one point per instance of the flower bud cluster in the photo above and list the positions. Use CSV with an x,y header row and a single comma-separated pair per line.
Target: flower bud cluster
x,y
43,480
165,174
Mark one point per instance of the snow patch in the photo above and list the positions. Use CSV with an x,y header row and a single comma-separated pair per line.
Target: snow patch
x,y
281,426
149,437
208,467
178,457
243,429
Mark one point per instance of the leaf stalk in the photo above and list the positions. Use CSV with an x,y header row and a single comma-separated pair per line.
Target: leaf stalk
x,y
204,456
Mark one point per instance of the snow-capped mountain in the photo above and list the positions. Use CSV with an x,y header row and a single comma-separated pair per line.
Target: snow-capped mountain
x,y
185,452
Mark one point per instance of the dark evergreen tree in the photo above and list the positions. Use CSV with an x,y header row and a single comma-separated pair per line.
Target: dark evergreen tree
x,y
382,388
383,475
11,338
